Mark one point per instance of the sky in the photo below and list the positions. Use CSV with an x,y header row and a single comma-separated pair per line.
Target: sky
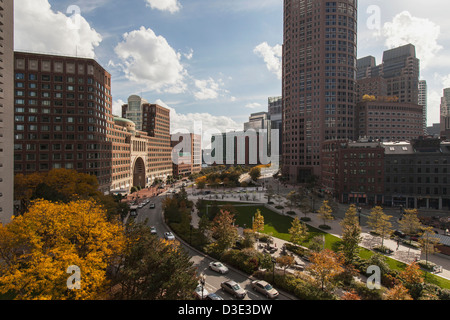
x,y
214,62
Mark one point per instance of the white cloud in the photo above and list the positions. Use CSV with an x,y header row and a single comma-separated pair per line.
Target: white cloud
x,y
253,105
117,107
422,33
149,60
272,57
165,5
207,89
207,122
189,55
38,28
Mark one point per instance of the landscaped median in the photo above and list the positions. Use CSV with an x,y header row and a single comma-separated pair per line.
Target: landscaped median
x,y
278,225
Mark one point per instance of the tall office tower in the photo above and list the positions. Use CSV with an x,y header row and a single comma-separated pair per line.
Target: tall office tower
x,y
154,120
133,110
401,71
63,116
319,81
6,111
445,113
423,101
258,121
276,120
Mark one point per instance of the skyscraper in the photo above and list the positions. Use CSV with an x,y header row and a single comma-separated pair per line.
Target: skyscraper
x,y
6,110
445,113
319,81
423,101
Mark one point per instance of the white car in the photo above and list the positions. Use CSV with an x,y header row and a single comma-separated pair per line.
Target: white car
x,y
201,293
265,288
153,230
169,236
218,267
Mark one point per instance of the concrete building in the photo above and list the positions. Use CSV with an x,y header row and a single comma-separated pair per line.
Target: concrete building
x,y
445,113
417,174
388,121
276,119
186,154
6,111
155,122
319,81
423,101
258,121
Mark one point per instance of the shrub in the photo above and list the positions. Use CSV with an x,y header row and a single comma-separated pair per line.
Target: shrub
x,y
428,266
305,219
324,227
291,212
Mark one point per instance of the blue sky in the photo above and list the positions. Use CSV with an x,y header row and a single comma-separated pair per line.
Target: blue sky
x,y
216,61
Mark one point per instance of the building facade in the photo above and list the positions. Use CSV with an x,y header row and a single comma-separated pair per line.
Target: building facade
x,y
353,172
155,122
319,81
186,154
417,174
423,101
63,119
6,111
388,121
63,116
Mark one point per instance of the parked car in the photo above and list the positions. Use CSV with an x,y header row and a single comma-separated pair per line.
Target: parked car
x,y
233,288
169,236
218,267
213,296
399,233
265,288
153,230
201,292
152,206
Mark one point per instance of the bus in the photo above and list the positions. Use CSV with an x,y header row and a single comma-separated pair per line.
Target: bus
x,y
133,211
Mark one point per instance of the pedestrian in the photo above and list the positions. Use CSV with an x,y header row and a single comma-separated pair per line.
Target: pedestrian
x,y
398,243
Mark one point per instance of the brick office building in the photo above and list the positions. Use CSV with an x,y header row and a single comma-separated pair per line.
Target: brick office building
x,y
63,115
353,172
63,119
186,154
319,81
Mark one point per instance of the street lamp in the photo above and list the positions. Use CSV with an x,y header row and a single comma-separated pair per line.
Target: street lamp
x,y
359,215
274,261
202,282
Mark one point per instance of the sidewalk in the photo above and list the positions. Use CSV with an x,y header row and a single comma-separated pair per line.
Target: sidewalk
x,y
403,253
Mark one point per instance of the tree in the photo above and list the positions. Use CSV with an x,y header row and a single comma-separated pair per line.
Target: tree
x,y
298,231
293,198
325,213
351,235
37,248
325,266
412,279
153,269
379,223
428,242
398,292
201,182
285,262
255,173
258,222
224,231
269,193
350,295
410,223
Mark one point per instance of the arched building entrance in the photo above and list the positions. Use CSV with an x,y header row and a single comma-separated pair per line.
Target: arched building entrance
x,y
139,179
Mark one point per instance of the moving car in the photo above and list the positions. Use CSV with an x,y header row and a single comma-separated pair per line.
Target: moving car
x,y
152,206
265,288
153,230
201,293
218,267
233,288
169,236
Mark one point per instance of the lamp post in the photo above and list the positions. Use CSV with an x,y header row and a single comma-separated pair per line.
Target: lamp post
x,y
202,282
274,261
359,215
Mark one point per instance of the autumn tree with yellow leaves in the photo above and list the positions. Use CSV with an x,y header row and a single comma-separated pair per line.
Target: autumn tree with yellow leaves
x,y
38,247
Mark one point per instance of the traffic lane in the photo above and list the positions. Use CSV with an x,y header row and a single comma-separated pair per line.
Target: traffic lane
x,y
214,279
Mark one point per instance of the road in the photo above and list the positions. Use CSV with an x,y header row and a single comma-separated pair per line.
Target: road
x,y
213,279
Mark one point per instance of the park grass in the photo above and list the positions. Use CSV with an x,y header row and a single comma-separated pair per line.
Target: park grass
x,y
278,226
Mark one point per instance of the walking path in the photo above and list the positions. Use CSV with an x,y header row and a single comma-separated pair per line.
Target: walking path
x,y
400,252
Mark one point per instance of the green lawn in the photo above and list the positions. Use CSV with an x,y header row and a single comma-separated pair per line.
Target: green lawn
x,y
279,225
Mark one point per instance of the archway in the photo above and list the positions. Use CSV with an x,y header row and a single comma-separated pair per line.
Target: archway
x,y
139,173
